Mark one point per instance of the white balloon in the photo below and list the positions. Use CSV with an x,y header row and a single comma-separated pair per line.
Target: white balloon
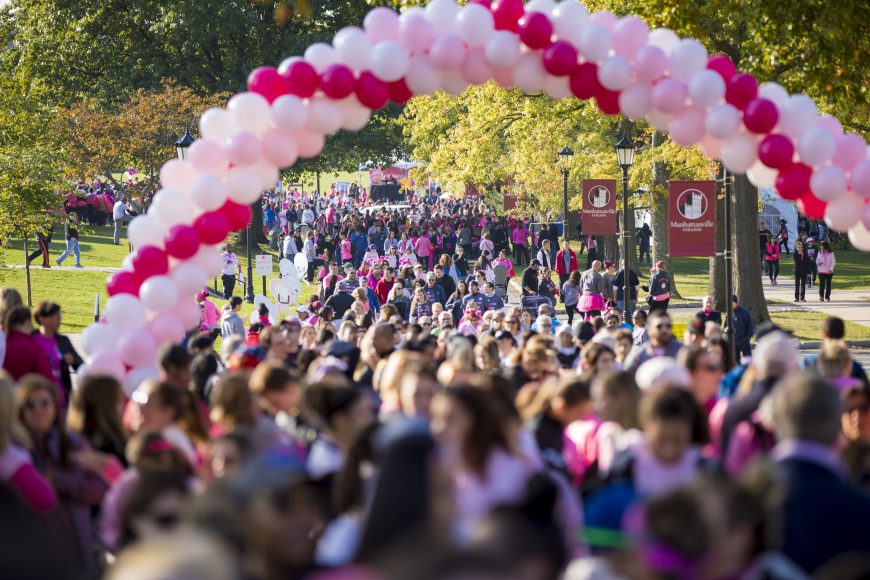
x,y
797,115
390,61
760,175
442,14
568,19
188,277
816,146
208,192
172,207
138,376
664,38
859,236
706,88
127,261
688,58
217,124
354,115
503,49
595,43
289,113
320,55
422,77
844,212
353,48
244,185
636,101
615,73
415,31
740,152
658,119
98,337
723,122
158,293
558,87
251,112
210,259
529,74
146,230
475,24
543,6
323,116
775,93
124,312
267,173
828,183
454,83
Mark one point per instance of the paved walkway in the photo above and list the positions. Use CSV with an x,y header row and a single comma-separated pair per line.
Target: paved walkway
x,y
66,268
851,305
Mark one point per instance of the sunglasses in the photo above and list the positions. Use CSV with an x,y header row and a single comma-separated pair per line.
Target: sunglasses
x,y
861,408
662,326
713,368
32,404
166,521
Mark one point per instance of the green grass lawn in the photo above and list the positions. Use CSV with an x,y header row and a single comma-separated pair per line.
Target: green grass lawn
x,y
805,325
76,291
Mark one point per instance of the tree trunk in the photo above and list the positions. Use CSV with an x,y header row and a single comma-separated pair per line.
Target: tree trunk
x,y
717,263
659,210
747,259
629,254
611,249
256,227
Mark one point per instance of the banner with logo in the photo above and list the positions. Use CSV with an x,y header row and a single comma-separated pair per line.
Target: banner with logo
x,y
510,202
599,207
691,218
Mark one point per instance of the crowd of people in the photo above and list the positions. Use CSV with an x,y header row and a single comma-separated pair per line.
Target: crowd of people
x,y
411,422
814,260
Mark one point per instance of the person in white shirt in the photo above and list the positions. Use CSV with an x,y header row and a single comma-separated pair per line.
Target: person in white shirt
x,y
308,216
119,215
289,250
228,273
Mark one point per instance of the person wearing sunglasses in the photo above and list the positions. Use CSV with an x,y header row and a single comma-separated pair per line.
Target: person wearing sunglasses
x,y
154,506
661,341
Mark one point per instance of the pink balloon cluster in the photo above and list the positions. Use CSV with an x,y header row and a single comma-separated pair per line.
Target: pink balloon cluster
x,y
776,139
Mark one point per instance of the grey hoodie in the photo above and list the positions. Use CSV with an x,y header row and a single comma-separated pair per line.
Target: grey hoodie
x,y
231,323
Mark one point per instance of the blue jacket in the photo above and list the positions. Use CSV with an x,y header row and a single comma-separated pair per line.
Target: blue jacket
x,y
744,327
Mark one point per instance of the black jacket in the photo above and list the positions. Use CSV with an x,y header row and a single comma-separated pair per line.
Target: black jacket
x,y
65,346
802,264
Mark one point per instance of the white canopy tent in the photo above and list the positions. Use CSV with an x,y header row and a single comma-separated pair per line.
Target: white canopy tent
x,y
773,209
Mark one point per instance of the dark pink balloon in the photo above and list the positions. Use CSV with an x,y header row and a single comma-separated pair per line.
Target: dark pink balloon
x,y
776,151
399,92
760,116
722,65
560,58
302,79
212,227
507,14
535,30
149,261
584,81
337,81
811,206
608,101
238,215
266,81
740,90
372,91
485,3
182,242
122,282
793,181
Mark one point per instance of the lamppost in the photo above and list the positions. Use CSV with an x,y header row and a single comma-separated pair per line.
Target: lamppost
x,y
727,180
565,155
625,157
183,144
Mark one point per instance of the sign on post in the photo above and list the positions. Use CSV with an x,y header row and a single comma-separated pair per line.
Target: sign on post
x,y
599,207
263,265
691,218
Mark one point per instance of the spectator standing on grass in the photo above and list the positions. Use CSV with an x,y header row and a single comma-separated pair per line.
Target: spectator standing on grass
x,y
229,271
826,262
119,216
643,237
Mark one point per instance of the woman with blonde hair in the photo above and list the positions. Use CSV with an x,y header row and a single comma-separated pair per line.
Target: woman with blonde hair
x,y
9,299
96,411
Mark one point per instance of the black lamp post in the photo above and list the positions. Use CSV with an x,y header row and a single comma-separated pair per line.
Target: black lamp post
x,y
625,157
183,144
727,180
565,155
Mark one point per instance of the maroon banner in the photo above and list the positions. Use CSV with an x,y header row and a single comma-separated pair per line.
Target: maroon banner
x,y
599,207
510,202
691,218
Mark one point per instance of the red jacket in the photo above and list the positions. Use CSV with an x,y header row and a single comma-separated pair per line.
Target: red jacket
x,y
560,262
383,289
25,355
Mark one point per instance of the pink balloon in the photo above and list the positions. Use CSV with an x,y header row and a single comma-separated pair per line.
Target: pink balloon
x,y
507,14
416,33
844,211
776,151
560,58
447,52
722,65
106,362
177,174
371,91
504,77
149,261
187,312
399,92
828,183
760,116
266,81
475,68
811,206
279,148
237,214
794,181
122,282
301,77
310,142
607,101
687,128
635,101
165,327
213,227
650,64
584,81
849,151
381,24
711,147
337,81
831,124
535,30
629,36
604,19
244,148
137,347
669,95
208,156
860,178
740,90
182,242
865,216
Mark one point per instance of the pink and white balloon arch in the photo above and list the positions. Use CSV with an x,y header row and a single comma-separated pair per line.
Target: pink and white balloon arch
x,y
776,139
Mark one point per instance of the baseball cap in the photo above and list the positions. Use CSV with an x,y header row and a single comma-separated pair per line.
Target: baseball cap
x,y
584,331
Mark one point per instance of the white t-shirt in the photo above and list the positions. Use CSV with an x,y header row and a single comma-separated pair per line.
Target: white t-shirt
x,y
118,210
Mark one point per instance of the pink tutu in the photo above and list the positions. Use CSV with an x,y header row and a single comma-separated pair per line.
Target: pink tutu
x,y
590,302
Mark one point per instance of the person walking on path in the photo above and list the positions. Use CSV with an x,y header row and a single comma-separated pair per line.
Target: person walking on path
x,y
571,294
802,270
566,263
72,242
643,237
119,215
43,239
812,251
659,288
744,327
763,236
782,237
826,262
771,259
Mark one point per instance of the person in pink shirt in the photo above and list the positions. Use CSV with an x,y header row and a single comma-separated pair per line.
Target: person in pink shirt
x,y
519,237
211,314
504,260
423,250
826,262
